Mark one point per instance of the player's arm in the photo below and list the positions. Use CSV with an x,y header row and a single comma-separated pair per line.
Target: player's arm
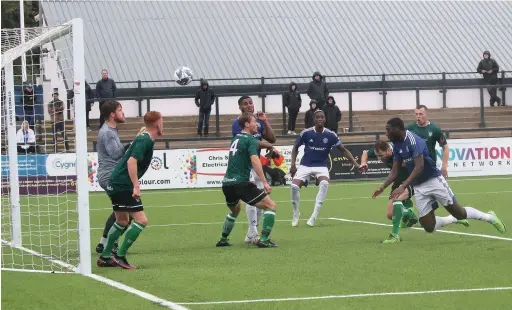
x,y
256,164
268,132
441,140
348,155
295,151
138,152
393,174
265,145
419,164
364,160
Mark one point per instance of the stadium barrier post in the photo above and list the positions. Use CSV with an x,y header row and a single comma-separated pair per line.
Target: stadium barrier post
x,y
482,118
284,115
443,90
263,95
503,88
139,99
350,112
417,98
148,104
383,92
217,118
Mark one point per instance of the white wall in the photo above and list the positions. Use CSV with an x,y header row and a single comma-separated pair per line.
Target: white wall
x,y
363,101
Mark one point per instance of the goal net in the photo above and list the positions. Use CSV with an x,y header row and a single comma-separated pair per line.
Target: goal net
x,y
44,190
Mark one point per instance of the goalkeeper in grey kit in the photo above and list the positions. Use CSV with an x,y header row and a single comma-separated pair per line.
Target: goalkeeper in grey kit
x,y
110,151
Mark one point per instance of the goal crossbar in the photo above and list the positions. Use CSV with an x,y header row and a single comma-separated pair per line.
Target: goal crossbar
x,y
51,34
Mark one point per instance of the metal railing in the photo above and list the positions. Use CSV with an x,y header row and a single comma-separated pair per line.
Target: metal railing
x,y
376,134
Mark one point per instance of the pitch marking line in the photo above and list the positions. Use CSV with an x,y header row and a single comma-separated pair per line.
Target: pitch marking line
x,y
418,228
157,300
288,201
360,182
506,288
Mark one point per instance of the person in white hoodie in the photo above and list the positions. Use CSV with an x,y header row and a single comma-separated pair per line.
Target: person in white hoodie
x,y
26,139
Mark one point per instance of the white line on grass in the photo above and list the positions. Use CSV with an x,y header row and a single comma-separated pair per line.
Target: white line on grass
x,y
348,296
284,201
417,228
360,182
115,284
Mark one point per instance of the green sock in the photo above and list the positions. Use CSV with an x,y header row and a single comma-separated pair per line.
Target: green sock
x,y
132,234
113,234
229,223
398,208
269,218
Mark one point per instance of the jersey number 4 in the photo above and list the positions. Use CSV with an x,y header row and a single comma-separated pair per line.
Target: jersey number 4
x,y
234,147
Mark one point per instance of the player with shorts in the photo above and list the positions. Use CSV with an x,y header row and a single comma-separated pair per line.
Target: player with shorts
x,y
236,185
124,192
265,131
318,142
429,185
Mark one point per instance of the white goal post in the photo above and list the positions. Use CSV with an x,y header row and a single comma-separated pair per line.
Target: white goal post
x,y
45,202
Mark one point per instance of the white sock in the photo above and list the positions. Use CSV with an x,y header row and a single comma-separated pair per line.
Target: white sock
x,y
259,214
474,214
320,197
103,240
295,196
252,218
443,221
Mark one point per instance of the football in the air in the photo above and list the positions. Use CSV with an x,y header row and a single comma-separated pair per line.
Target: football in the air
x,y
183,75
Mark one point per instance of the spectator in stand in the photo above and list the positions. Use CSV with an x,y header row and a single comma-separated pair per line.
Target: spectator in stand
x,y
204,100
293,102
105,89
317,90
489,68
309,118
56,111
274,165
89,102
332,114
26,139
28,104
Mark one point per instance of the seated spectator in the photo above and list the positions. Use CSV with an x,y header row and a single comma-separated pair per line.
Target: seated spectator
x,y
26,139
275,166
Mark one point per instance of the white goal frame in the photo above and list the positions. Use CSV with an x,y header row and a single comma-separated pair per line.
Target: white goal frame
x,y
50,34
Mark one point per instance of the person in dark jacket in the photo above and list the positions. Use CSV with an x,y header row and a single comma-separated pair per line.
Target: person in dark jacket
x,y
204,100
293,102
309,118
332,114
317,90
105,89
28,104
89,101
489,68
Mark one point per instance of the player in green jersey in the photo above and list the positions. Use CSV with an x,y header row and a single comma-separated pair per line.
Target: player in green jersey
x,y
237,185
398,210
124,192
431,134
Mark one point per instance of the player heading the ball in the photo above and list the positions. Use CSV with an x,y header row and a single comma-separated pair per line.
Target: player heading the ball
x,y
236,186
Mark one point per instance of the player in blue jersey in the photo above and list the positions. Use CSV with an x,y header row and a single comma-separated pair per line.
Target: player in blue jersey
x,y
428,183
246,106
318,142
